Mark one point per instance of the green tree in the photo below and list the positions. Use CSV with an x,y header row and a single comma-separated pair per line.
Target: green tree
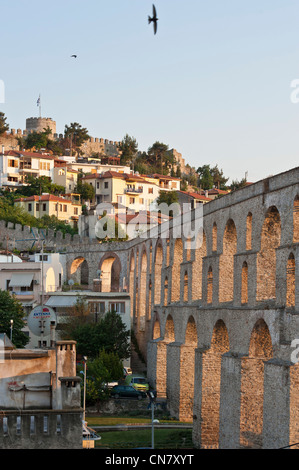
x,y
236,184
160,158
128,147
165,200
219,179
77,135
11,309
109,334
3,125
205,177
86,191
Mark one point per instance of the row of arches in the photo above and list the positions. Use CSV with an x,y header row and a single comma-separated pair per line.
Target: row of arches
x,y
107,270
202,373
180,275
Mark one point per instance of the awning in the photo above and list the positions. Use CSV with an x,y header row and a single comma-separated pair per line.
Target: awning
x,y
21,279
61,301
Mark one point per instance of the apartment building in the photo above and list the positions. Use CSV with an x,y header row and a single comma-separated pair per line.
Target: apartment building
x,y
128,190
64,175
164,182
64,209
15,166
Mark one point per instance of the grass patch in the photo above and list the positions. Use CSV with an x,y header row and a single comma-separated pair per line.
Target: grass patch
x,y
132,439
114,420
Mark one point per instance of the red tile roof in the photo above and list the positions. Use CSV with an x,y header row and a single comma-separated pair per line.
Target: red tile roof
x,y
196,196
16,153
44,197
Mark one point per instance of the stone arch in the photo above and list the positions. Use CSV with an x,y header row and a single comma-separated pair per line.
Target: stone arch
x,y
169,337
226,263
266,258
158,271
110,267
211,382
296,220
244,285
165,291
177,259
210,285
200,253
142,307
252,386
186,287
214,237
156,331
79,271
131,280
249,231
187,371
50,280
290,300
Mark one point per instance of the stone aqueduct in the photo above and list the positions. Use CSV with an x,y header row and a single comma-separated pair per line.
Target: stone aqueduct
x,y
217,323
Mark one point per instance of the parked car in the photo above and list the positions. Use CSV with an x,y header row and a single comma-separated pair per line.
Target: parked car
x,y
126,391
139,382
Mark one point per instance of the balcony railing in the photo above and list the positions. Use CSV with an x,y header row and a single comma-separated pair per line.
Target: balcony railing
x,y
134,190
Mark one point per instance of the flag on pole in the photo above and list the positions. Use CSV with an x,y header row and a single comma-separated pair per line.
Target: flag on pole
x,y
38,101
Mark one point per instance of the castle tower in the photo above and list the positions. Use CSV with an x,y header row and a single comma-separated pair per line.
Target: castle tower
x,y
38,124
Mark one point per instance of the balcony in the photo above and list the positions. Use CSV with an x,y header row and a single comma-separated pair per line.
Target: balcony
x,y
133,190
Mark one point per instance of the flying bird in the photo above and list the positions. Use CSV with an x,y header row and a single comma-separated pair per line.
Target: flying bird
x,y
154,19
74,56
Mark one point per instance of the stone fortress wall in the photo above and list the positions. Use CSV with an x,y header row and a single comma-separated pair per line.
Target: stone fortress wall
x,y
216,323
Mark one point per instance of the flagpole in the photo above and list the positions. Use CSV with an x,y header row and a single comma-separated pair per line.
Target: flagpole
x,y
40,106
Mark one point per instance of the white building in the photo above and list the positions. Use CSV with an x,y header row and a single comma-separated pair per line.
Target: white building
x,y
98,302
31,280
16,165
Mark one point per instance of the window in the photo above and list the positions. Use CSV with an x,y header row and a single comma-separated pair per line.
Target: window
x,y
44,207
98,185
64,208
75,210
132,200
118,307
60,207
37,206
106,185
98,309
13,163
29,207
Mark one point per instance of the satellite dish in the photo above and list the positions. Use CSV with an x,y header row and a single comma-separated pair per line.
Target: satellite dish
x,y
39,320
71,282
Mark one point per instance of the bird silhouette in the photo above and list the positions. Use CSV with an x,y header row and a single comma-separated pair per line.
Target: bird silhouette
x,y
154,19
74,56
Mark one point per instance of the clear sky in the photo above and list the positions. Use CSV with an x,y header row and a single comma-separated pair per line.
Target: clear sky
x,y
213,83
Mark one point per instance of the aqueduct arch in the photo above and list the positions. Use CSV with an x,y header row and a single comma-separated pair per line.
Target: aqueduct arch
x,y
110,268
79,271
